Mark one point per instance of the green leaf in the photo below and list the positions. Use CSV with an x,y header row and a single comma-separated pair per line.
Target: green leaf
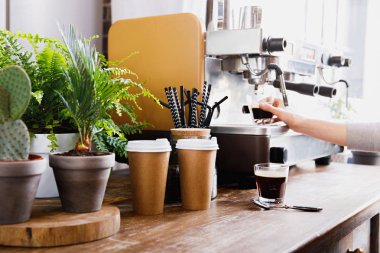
x,y
38,95
53,141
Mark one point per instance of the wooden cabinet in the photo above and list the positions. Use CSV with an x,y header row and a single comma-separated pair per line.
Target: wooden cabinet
x,y
358,241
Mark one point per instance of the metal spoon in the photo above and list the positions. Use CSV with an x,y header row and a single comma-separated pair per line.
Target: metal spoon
x,y
301,208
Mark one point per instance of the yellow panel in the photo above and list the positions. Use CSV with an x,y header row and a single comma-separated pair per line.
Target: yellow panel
x,y
171,53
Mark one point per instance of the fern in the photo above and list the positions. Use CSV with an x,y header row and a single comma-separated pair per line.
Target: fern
x,y
104,142
53,141
73,84
44,65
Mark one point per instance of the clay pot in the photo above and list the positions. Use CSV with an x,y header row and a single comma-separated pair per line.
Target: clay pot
x,y
82,180
40,146
18,186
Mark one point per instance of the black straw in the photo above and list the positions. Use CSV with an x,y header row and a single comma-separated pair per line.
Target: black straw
x,y
190,107
171,108
202,114
193,122
211,111
177,119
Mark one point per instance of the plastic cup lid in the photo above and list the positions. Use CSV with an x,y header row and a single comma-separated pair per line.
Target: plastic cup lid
x,y
159,145
198,144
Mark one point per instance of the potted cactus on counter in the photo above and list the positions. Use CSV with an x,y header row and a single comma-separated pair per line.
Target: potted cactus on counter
x,y
19,172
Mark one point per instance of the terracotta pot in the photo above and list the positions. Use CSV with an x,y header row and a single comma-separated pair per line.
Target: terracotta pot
x,y
81,180
18,185
40,146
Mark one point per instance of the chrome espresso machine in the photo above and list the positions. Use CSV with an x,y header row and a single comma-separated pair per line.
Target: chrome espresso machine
x,y
247,67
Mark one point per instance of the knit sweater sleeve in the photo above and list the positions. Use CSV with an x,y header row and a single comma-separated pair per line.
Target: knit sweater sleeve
x,y
363,136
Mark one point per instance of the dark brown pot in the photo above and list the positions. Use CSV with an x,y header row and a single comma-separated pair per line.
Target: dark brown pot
x,y
81,180
18,186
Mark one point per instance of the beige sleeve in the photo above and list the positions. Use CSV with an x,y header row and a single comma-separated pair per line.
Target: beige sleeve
x,y
363,136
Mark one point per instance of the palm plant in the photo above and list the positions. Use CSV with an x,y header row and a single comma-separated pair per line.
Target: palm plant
x,y
96,89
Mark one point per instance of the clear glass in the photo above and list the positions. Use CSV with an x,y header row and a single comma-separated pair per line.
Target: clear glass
x,y
271,181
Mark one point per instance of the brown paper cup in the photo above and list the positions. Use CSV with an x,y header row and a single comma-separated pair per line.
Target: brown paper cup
x,y
196,169
148,177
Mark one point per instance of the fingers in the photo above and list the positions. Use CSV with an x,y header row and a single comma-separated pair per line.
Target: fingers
x,y
267,107
278,103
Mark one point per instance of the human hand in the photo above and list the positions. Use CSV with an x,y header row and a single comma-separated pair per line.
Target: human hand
x,y
281,114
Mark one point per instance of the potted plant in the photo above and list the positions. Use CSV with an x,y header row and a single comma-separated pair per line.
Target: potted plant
x,y
94,91
19,172
48,120
46,117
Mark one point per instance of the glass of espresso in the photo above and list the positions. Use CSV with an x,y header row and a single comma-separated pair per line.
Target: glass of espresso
x,y
271,181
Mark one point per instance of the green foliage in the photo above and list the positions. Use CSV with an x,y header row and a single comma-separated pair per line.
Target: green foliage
x,y
95,89
74,87
339,109
105,142
15,91
53,141
44,60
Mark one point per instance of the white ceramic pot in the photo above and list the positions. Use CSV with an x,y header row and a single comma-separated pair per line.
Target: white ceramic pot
x,y
40,145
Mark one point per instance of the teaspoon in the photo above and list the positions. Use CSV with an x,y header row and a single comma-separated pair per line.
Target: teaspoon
x,y
301,208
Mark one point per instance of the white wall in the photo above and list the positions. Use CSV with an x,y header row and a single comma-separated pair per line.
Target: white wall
x,y
41,16
122,9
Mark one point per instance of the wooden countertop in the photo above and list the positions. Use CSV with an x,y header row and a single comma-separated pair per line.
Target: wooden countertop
x,y
349,194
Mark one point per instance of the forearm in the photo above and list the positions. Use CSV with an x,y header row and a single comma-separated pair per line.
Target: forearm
x,y
325,130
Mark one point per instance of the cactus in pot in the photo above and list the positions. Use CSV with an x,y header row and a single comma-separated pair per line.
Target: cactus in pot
x,y
16,197
15,93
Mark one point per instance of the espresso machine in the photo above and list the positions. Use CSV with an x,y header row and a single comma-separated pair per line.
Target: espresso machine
x,y
246,66
240,63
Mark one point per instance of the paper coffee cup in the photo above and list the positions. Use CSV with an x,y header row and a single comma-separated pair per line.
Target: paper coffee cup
x,y
196,166
148,164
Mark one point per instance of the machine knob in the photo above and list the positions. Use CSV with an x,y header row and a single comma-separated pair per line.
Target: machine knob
x,y
338,61
347,62
274,44
325,91
278,155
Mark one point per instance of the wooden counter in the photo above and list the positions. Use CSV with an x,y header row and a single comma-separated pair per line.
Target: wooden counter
x,y
349,194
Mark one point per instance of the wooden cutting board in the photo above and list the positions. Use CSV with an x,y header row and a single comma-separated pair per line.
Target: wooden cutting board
x,y
49,226
170,53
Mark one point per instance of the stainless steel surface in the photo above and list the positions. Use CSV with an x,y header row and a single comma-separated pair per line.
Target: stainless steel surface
x,y
212,15
236,59
234,42
299,147
283,90
270,130
250,17
7,13
228,15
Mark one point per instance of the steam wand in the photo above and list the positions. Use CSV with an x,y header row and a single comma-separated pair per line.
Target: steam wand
x,y
280,76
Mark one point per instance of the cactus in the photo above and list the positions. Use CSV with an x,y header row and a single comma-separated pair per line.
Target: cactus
x,y
15,92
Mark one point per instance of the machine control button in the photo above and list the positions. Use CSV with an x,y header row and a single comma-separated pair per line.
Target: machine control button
x,y
278,155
